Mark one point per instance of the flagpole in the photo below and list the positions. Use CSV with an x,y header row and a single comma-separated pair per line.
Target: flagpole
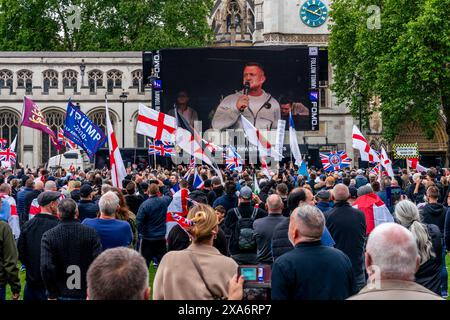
x,y
154,155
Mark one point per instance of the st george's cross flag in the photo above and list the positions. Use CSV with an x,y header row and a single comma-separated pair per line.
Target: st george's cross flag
x,y
415,165
257,138
117,167
374,210
360,143
335,161
155,124
386,163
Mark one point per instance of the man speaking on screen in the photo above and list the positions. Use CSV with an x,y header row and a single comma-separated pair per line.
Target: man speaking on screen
x,y
256,105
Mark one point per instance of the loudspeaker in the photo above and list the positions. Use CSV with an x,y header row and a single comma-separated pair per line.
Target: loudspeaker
x,y
147,65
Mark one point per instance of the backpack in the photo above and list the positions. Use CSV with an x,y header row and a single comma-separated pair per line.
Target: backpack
x,y
244,231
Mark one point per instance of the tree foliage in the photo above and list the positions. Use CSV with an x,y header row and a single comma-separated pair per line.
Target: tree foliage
x,y
104,25
405,62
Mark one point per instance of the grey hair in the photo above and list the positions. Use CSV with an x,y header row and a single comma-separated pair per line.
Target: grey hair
x,y
363,190
408,216
341,192
108,203
50,185
274,203
312,221
106,188
67,209
118,274
393,250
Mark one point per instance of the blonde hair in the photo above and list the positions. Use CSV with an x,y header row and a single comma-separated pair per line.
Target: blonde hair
x,y
408,216
204,221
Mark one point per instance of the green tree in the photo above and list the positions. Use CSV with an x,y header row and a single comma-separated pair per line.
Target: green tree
x,y
406,62
105,25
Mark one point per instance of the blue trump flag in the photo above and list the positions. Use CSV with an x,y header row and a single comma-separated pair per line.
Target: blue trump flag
x,y
82,131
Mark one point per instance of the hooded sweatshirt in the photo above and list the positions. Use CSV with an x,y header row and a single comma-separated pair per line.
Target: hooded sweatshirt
x,y
434,213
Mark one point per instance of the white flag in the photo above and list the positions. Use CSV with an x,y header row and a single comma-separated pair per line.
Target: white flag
x,y
118,171
293,142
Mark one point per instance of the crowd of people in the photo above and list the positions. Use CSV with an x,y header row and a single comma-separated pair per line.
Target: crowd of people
x,y
77,237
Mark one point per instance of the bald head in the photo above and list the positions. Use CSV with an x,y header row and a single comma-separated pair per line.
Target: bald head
x,y
393,249
274,204
50,186
39,185
341,192
306,224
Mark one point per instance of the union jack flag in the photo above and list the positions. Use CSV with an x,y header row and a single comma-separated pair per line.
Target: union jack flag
x,y
8,155
161,148
232,159
62,140
3,143
335,161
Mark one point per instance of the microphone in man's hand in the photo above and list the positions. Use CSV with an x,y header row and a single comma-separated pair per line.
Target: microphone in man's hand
x,y
246,88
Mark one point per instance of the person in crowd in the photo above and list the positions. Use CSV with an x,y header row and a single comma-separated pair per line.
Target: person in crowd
x,y
392,260
435,213
360,179
74,189
239,227
347,226
229,199
217,190
280,240
29,244
416,191
151,225
124,214
264,229
87,207
10,209
9,272
429,245
133,200
324,201
311,271
21,195
68,248
206,273
112,232
283,192
118,274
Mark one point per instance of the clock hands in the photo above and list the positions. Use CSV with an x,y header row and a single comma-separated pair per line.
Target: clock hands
x,y
313,12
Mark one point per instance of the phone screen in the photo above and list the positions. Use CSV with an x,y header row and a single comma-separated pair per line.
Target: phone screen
x,y
249,274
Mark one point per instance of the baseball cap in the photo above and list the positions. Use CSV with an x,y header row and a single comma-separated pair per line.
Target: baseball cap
x,y
85,190
323,194
48,196
246,193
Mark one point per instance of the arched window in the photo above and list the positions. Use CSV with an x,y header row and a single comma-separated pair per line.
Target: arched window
x,y
6,79
55,120
70,79
50,79
9,127
99,118
114,80
137,80
95,80
25,79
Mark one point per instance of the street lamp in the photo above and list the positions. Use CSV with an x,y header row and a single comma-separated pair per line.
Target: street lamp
x,y
82,69
123,98
359,98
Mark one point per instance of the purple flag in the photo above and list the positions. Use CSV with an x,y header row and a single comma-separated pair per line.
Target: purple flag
x,y
33,118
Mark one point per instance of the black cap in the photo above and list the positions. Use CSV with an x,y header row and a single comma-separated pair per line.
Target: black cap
x,y
85,190
48,196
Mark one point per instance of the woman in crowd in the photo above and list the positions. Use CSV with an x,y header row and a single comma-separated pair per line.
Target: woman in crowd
x,y
125,214
205,273
429,243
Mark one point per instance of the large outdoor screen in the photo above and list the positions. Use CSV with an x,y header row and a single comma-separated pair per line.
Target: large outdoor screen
x,y
207,84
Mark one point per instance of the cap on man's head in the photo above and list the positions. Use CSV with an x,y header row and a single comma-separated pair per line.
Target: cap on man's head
x,y
48,196
323,194
85,190
245,193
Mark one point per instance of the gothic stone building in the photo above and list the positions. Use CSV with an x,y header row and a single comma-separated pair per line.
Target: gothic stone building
x,y
51,78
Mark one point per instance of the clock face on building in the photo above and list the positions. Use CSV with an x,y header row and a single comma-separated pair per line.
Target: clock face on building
x,y
313,13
